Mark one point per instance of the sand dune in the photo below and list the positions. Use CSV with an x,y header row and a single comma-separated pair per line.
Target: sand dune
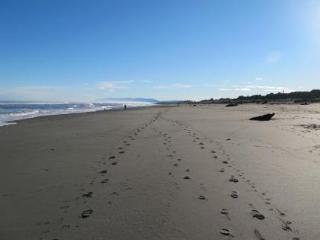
x,y
184,172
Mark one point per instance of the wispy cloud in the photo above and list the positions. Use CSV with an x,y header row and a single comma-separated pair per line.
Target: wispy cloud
x,y
112,85
242,89
257,89
146,81
273,57
173,86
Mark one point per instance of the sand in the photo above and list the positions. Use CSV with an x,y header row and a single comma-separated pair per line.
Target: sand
x,y
182,172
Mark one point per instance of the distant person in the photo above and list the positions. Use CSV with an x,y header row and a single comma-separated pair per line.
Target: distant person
x,y
125,107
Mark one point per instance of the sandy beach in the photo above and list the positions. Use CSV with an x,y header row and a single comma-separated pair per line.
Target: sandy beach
x,y
171,172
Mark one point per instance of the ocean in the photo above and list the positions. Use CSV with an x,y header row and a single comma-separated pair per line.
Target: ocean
x,y
10,111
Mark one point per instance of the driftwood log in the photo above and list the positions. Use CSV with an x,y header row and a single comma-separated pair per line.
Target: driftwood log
x,y
232,105
265,117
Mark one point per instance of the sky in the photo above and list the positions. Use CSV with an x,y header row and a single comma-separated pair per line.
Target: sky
x,y
86,50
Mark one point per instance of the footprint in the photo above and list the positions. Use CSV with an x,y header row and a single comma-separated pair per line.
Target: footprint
x,y
225,232
104,180
86,213
187,170
225,162
280,212
103,171
258,235
221,170
176,164
256,214
201,197
285,226
122,152
225,212
187,177
233,179
112,157
87,195
114,163
234,194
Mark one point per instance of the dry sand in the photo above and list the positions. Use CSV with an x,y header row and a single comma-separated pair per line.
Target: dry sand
x,y
203,172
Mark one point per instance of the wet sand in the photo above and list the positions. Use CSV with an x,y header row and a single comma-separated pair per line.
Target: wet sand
x,y
185,172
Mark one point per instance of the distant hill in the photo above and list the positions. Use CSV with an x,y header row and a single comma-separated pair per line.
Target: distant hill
x,y
293,97
171,101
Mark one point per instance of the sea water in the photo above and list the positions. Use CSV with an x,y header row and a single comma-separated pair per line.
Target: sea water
x,y
12,111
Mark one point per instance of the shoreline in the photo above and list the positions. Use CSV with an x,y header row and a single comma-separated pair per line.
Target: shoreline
x,y
14,122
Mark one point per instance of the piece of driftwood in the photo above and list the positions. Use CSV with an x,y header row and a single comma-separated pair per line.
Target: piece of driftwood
x,y
232,105
265,117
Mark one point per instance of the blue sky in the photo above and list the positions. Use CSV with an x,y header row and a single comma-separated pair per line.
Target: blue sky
x,y
80,50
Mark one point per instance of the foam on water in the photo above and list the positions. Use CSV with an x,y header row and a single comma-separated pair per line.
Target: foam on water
x,y
10,112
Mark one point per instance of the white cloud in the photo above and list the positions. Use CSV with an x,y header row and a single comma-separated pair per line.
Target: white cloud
x,y
257,89
259,78
273,57
181,85
146,81
173,86
241,89
106,86
235,89
112,85
124,82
